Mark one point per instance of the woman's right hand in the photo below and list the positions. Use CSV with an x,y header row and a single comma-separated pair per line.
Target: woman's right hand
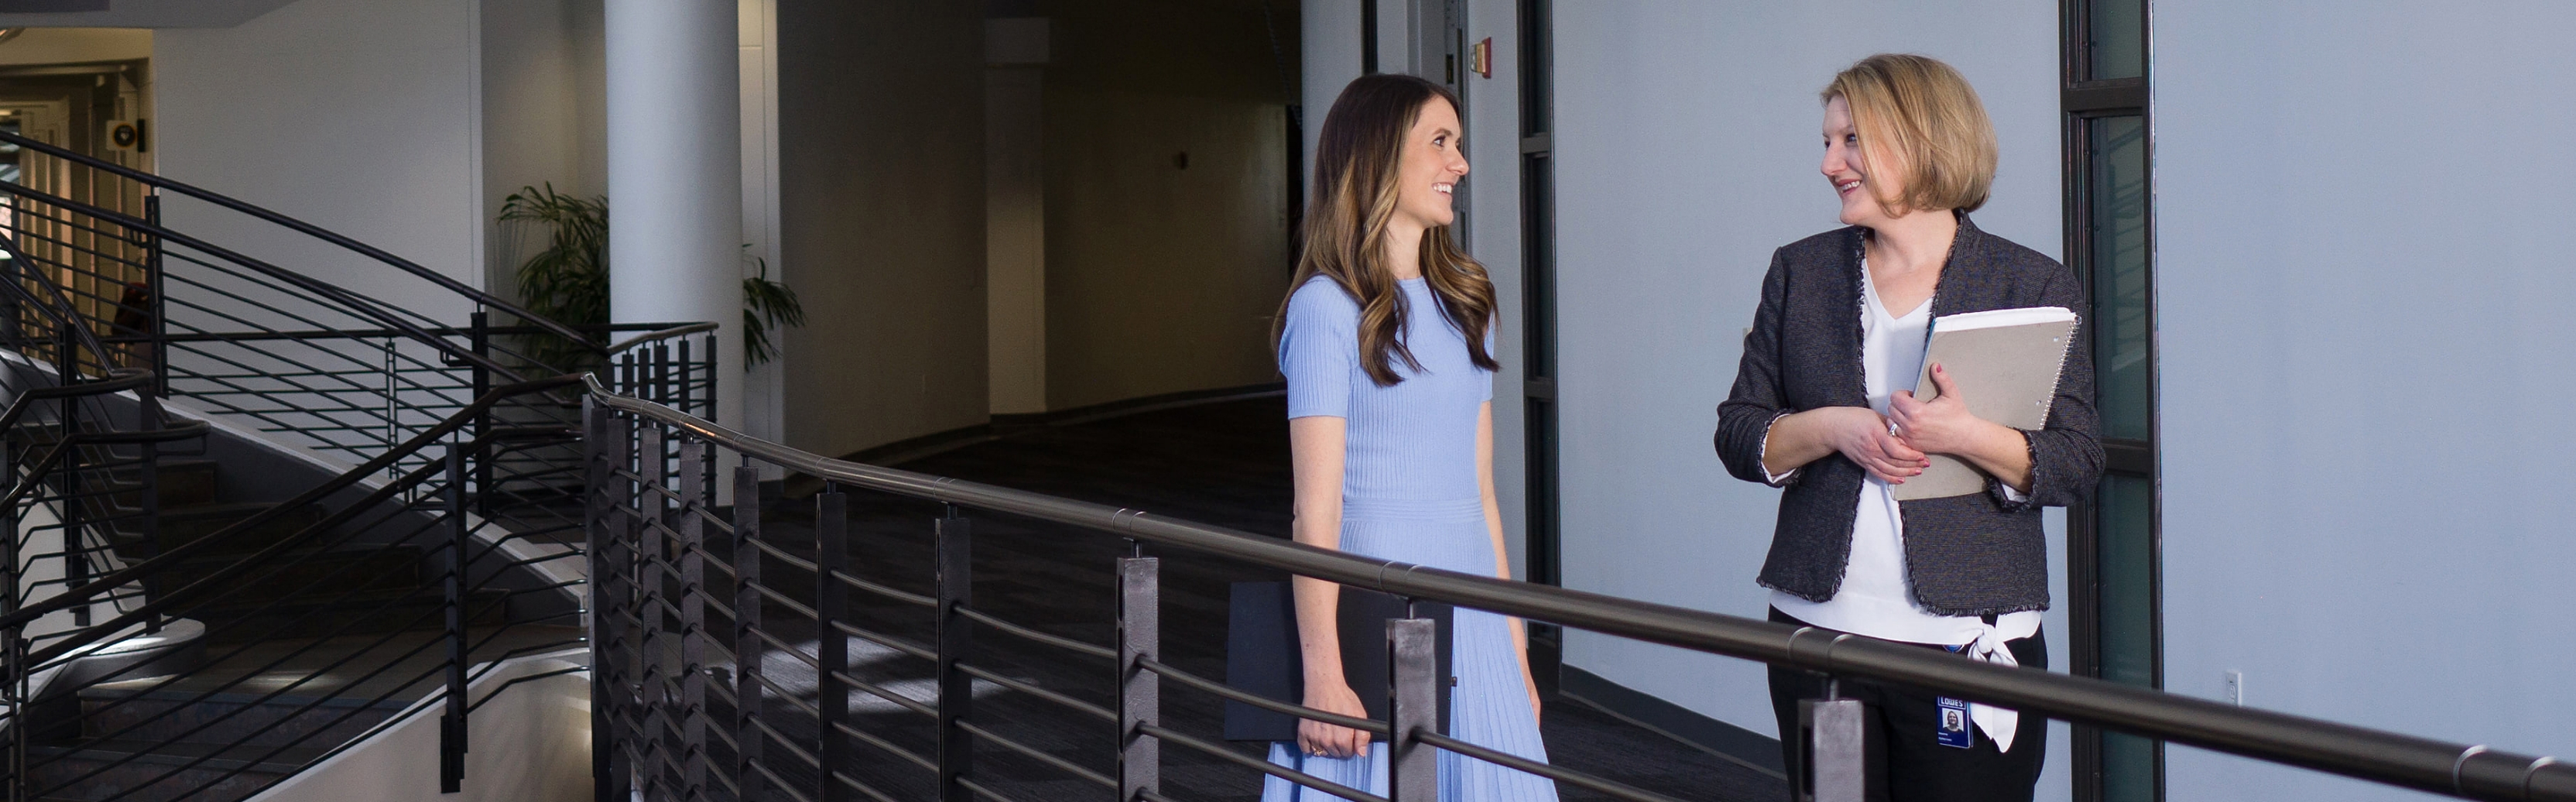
x,y
1333,740
1861,435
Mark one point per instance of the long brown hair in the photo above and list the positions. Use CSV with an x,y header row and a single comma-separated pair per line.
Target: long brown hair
x,y
1344,237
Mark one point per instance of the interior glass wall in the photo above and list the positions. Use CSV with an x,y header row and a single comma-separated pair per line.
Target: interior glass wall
x,y
2110,207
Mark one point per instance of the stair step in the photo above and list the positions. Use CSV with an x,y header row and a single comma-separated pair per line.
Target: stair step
x,y
145,771
243,712
183,525
315,575
366,612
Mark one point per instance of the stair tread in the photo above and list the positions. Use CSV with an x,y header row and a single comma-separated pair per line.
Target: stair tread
x,y
224,757
224,508
244,675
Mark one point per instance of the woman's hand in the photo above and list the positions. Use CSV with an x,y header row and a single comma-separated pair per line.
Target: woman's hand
x,y
1943,425
1334,740
1860,435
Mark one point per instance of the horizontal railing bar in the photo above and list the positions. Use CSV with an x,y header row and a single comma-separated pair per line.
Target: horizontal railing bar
x,y
864,788
779,783
1557,773
970,784
888,641
888,694
766,547
478,703
886,745
914,599
2386,757
1061,700
1256,700
1067,644
774,595
1266,767
781,739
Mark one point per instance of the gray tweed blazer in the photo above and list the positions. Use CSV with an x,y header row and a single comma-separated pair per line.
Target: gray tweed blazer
x,y
1977,554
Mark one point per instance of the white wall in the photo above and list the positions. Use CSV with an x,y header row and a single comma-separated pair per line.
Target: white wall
x,y
2364,305
1687,143
543,119
531,742
1329,38
1493,202
360,116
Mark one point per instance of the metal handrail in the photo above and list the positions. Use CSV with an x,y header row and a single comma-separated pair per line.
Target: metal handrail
x,y
663,334
2470,771
171,558
308,229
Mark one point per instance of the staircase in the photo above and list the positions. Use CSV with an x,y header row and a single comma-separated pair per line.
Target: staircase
x,y
285,516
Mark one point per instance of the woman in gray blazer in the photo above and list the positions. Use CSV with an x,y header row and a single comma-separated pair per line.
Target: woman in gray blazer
x,y
1822,406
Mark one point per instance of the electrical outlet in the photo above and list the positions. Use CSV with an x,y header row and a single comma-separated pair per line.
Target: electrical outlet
x,y
2236,688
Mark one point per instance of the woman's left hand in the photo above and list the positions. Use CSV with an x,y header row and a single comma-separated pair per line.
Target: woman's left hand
x,y
1942,425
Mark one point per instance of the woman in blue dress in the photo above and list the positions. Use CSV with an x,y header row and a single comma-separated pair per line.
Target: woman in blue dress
x,y
1386,340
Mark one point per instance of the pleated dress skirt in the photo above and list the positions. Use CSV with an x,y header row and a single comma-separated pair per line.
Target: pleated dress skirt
x,y
1489,707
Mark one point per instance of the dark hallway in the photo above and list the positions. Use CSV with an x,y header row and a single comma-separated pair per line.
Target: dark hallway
x,y
1223,463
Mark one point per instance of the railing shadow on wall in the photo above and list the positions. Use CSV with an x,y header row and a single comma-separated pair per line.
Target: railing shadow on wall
x,y
696,609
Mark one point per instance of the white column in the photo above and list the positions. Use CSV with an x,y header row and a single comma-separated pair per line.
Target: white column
x,y
675,174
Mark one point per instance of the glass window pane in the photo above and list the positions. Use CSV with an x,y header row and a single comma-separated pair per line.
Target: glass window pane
x,y
2125,574
2118,39
2117,190
2128,768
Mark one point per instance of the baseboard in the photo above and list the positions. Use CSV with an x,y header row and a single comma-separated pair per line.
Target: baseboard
x,y
1734,744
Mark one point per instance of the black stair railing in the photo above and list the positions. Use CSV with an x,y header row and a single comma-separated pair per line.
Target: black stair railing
x,y
328,365
318,628
704,686
453,532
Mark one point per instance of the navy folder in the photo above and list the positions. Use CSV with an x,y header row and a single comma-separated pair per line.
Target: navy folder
x,y
1262,656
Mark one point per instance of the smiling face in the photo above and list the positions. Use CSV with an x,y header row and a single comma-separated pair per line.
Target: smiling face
x,y
1859,186
1429,170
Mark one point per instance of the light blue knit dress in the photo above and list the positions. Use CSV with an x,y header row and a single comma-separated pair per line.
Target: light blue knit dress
x,y
1409,493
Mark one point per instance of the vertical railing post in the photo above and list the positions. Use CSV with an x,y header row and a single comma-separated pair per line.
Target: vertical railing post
x,y
747,737
693,617
154,305
75,509
147,517
451,724
831,650
652,681
479,338
1412,766
1831,767
13,658
605,441
1140,762
687,394
956,637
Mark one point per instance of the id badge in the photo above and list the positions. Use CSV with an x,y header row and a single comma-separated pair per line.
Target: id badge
x,y
1954,723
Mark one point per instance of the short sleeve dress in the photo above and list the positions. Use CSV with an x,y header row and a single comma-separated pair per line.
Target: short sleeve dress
x,y
1410,494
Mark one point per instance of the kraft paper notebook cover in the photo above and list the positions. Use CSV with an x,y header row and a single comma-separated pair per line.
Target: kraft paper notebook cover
x,y
2006,361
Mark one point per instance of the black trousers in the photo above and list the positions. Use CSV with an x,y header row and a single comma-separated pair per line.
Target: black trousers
x,y
1905,758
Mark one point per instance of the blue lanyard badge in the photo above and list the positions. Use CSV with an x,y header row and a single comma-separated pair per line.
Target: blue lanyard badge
x,y
1954,723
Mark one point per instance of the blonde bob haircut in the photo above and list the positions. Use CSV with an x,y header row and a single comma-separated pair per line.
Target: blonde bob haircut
x,y
1920,120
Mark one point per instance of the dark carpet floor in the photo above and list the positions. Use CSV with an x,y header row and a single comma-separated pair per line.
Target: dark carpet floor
x,y
1223,463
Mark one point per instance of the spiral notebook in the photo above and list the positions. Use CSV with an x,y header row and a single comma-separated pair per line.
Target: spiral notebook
x,y
2006,362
